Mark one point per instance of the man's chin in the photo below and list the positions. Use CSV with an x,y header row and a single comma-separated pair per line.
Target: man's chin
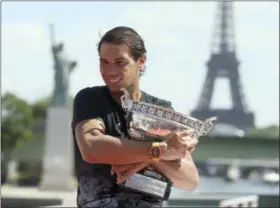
x,y
115,89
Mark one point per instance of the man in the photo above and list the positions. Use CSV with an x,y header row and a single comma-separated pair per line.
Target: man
x,y
106,156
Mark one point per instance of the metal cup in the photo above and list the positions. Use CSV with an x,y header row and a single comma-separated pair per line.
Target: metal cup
x,y
150,121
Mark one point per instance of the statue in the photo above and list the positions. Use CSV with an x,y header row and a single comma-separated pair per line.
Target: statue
x,y
58,161
63,68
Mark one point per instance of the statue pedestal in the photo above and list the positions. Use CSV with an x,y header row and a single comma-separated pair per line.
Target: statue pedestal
x,y
58,161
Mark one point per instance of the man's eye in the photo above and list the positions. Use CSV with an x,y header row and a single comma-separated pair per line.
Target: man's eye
x,y
121,63
103,62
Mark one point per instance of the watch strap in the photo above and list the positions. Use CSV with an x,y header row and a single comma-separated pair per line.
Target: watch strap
x,y
155,151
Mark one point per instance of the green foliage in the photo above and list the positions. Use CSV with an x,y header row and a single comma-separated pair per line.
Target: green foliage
x,y
269,131
21,120
40,106
17,121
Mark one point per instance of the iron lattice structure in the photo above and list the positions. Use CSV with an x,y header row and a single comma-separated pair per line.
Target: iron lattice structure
x,y
223,63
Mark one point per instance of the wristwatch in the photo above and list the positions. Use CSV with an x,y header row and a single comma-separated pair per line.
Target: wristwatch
x,y
155,151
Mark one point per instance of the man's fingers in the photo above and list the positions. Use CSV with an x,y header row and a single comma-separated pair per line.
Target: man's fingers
x,y
121,168
112,169
129,172
192,142
188,144
191,149
180,134
118,168
185,133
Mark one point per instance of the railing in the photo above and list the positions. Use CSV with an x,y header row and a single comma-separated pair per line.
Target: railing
x,y
246,201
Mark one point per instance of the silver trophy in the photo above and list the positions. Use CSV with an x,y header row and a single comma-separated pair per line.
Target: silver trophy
x,y
148,122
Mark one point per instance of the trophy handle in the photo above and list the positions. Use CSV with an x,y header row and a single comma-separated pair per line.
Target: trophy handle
x,y
207,125
127,103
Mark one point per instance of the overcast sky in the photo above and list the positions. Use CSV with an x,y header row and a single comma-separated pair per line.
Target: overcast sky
x,y
178,39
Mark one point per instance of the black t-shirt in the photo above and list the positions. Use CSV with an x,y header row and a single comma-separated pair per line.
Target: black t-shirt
x,y
96,186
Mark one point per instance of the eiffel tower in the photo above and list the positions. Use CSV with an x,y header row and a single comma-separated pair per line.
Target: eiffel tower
x,y
223,63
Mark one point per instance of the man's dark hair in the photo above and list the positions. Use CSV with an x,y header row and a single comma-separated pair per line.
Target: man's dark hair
x,y
128,36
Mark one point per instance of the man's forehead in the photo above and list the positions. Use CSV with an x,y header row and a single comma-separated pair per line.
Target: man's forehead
x,y
120,51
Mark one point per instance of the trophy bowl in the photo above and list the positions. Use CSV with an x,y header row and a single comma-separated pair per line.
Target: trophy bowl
x,y
148,122
144,128
152,123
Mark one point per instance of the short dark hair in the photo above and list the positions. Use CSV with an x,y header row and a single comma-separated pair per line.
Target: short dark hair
x,y
128,36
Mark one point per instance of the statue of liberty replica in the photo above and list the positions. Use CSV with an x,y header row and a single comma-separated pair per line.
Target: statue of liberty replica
x,y
58,161
62,69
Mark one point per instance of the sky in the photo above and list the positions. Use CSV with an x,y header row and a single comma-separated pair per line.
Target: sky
x,y
177,36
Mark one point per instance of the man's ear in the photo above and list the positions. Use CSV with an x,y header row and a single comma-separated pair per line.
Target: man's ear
x,y
141,62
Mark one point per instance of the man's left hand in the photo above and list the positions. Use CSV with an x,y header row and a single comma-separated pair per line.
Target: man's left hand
x,y
125,171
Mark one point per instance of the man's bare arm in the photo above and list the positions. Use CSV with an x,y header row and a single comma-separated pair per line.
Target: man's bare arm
x,y
96,147
183,174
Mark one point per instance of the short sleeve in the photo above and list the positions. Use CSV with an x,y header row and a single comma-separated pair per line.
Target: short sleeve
x,y
85,106
156,101
165,104
168,105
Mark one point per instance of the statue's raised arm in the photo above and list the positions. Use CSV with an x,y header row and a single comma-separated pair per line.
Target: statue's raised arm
x,y
63,68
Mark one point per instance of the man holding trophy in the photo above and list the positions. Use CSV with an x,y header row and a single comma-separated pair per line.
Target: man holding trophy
x,y
131,147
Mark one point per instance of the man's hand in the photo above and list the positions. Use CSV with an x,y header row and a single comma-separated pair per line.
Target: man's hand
x,y
178,145
125,171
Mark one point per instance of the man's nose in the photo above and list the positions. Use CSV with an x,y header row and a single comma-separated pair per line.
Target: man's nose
x,y
112,70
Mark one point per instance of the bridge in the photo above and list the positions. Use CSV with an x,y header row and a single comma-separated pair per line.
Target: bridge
x,y
208,147
235,147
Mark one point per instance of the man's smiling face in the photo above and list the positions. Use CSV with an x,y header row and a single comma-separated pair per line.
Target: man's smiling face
x,y
117,66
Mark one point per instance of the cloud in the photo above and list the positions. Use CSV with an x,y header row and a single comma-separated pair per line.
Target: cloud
x,y
27,56
177,36
24,55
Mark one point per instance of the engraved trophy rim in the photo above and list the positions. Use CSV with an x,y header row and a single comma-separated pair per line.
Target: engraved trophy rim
x,y
200,127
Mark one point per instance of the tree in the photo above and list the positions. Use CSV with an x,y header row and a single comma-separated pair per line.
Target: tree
x,y
39,108
41,105
268,131
17,121
21,120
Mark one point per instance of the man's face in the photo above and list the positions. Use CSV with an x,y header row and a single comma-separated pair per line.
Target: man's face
x,y
117,66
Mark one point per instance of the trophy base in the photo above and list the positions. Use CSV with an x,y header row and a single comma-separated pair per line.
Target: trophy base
x,y
150,183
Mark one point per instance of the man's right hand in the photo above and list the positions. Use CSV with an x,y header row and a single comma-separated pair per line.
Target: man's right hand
x,y
178,145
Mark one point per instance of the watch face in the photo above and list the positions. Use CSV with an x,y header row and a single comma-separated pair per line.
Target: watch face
x,y
156,152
